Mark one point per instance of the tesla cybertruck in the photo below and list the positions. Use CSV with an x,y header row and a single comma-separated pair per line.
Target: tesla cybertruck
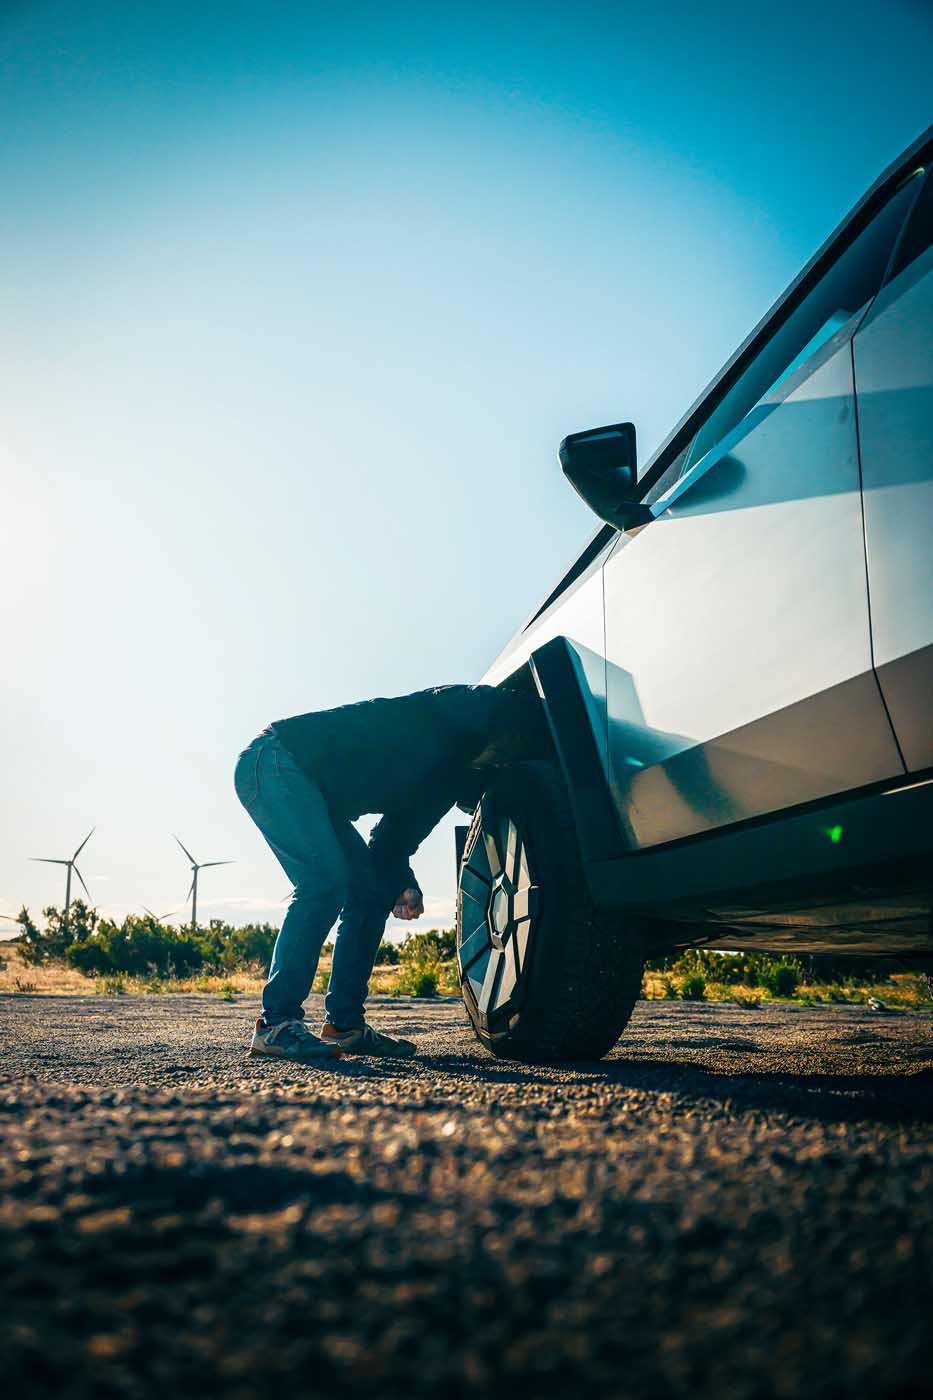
x,y
736,671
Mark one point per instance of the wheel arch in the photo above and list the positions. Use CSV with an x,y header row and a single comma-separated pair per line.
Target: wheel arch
x,y
569,680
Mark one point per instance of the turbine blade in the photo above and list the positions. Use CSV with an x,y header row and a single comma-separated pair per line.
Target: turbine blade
x,y
186,851
84,843
47,860
81,878
190,888
216,862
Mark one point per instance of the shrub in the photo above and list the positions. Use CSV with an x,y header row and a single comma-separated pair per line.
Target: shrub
x,y
694,988
418,978
670,991
387,953
61,931
224,948
141,946
114,986
322,981
746,998
781,979
227,991
437,944
90,958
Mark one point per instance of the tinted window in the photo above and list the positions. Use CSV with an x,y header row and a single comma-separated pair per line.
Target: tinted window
x,y
918,235
851,282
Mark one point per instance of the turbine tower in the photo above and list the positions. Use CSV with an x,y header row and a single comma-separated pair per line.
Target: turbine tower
x,y
48,860
195,867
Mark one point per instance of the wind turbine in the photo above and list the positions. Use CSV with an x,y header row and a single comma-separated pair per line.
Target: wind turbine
x,y
195,867
159,918
48,860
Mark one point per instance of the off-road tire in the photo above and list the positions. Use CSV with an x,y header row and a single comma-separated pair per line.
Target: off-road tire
x,y
560,981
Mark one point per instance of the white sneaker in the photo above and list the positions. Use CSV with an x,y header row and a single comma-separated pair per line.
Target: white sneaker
x,y
291,1040
366,1040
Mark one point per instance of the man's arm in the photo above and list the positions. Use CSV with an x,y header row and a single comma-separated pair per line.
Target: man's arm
x,y
397,836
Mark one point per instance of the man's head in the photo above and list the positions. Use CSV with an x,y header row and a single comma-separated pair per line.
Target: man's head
x,y
519,731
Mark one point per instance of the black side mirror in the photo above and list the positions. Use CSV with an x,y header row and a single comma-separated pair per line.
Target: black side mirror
x,y
600,465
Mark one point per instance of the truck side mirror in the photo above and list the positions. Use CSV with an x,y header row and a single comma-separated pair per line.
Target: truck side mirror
x,y
600,465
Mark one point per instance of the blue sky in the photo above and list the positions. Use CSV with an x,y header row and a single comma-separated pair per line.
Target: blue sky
x,y
298,301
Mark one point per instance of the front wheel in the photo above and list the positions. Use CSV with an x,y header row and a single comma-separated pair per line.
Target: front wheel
x,y
544,975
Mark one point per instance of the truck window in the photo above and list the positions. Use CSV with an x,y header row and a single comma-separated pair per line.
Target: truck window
x,y
848,285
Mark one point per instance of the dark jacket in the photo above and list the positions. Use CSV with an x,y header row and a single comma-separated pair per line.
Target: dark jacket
x,y
410,758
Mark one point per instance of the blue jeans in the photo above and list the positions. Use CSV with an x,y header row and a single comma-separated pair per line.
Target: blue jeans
x,y
329,865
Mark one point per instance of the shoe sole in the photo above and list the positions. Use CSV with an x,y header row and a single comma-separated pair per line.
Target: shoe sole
x,y
378,1054
334,1052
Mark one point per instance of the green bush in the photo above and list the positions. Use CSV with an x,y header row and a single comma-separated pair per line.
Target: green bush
x,y
62,931
223,948
694,988
387,953
90,958
781,979
751,969
143,947
435,943
419,977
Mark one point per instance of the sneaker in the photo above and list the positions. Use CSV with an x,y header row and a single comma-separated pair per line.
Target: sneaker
x,y
291,1040
365,1040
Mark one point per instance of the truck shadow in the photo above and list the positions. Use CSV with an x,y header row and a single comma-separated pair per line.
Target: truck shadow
x,y
905,1097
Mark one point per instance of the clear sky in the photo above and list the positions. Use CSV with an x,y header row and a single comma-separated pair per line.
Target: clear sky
x,y
297,302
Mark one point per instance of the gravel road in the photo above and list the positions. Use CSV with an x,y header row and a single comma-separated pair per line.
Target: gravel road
x,y
738,1203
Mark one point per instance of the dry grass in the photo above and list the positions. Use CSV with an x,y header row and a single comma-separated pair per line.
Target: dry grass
x,y
59,980
18,978
904,990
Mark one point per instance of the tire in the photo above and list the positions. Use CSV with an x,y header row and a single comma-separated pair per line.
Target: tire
x,y
544,975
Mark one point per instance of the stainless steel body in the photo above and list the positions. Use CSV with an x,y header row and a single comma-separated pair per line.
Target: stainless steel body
x,y
894,379
737,627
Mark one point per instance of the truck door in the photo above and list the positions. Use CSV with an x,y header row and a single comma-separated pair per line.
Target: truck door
x,y
739,668
894,389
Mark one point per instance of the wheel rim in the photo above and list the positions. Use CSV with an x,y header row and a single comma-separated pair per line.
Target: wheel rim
x,y
498,900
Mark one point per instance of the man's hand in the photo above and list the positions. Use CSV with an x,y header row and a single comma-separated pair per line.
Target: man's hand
x,y
409,905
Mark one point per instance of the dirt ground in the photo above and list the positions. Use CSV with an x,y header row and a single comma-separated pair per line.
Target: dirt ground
x,y
737,1203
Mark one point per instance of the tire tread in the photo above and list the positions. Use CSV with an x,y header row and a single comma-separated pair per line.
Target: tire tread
x,y
584,978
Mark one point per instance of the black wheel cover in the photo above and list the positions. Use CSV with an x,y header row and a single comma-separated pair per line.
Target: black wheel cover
x,y
496,909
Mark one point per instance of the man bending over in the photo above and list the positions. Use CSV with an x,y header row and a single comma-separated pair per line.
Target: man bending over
x,y
305,780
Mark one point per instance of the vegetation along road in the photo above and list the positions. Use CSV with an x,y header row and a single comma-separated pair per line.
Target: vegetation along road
x,y
738,1203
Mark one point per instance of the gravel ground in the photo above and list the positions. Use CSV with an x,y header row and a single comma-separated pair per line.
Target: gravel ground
x,y
736,1204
